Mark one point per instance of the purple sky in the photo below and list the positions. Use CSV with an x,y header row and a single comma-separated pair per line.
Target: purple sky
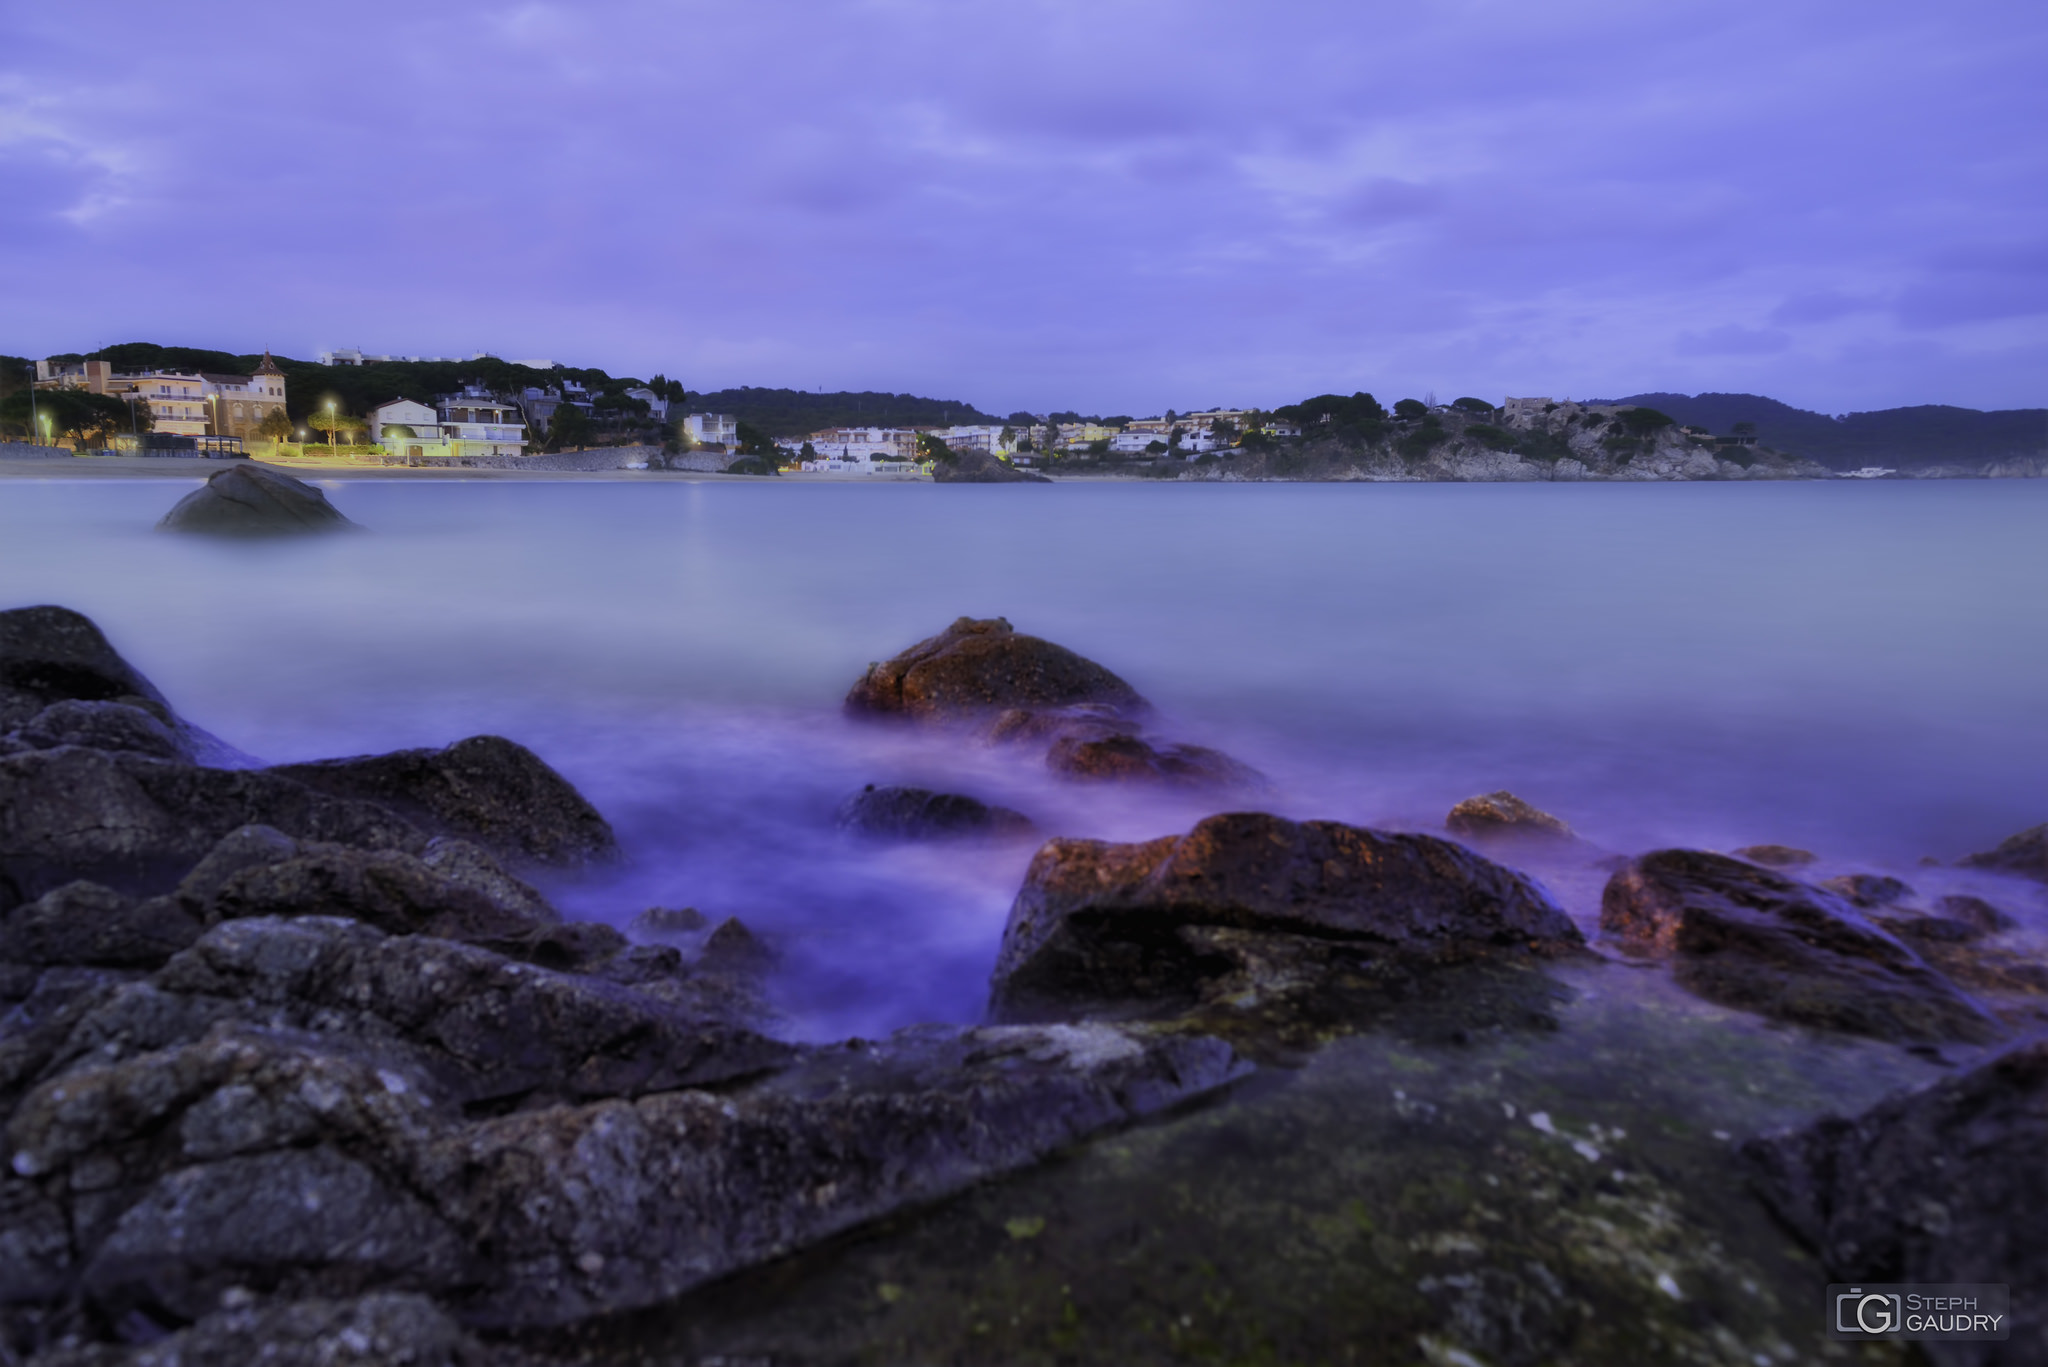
x,y
1116,207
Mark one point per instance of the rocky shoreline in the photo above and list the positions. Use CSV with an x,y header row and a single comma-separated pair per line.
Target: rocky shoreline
x,y
297,1065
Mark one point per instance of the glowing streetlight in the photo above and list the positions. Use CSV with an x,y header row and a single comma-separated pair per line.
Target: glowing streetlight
x,y
330,425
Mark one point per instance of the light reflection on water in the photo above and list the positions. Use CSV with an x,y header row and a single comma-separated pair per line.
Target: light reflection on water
x,y
1854,668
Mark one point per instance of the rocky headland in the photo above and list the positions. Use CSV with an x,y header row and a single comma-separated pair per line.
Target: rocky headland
x,y
298,1064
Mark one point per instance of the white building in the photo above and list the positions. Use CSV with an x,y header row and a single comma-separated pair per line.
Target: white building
x,y
1129,442
712,429
424,422
476,423
866,443
657,407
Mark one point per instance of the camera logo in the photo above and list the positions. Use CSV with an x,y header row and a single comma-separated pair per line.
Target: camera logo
x,y
1966,1313
1871,1313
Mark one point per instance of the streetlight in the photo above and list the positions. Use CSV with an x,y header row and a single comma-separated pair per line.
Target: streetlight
x,y
330,426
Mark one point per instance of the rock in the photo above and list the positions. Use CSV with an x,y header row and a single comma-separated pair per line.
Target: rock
x,y
36,1027
84,923
669,921
1940,1185
254,500
139,824
486,788
921,814
245,847
1502,813
1045,725
1975,911
52,655
1128,759
1777,856
979,467
732,948
1758,941
2025,853
1956,948
393,891
471,866
592,1209
1868,890
302,1222
385,1329
1100,922
975,667
103,726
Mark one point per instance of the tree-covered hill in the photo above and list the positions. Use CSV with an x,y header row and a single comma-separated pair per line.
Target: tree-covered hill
x,y
793,412
1904,438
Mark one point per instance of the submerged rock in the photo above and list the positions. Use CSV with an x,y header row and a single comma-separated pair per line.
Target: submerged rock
x,y
976,666
1128,759
1748,938
921,814
1869,889
1941,1185
1777,856
979,467
2025,853
487,788
254,500
1974,911
1502,813
1148,923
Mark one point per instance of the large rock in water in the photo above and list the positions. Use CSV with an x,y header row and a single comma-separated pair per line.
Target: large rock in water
x,y
1503,814
1756,940
2025,853
979,666
1941,1185
921,814
488,788
254,500
1097,922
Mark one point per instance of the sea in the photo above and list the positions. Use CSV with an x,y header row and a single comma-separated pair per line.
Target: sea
x,y
1854,668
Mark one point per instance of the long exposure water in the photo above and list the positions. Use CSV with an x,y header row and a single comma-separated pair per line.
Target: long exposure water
x,y
1854,668
1851,667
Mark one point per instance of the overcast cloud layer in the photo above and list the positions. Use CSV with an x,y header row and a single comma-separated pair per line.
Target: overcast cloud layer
x,y
1109,205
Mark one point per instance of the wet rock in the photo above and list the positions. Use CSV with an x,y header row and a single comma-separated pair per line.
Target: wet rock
x,y
386,1329
1869,890
921,814
1940,1185
978,666
471,866
1045,725
139,824
301,1222
1974,911
486,788
1100,922
254,500
1129,759
53,655
393,891
84,923
2025,853
1503,814
669,921
103,726
1758,941
1956,947
1777,856
732,948
598,1208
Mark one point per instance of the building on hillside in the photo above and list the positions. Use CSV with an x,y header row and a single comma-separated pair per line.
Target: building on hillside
x,y
539,405
1128,442
239,403
177,402
712,429
352,356
657,407
1522,410
477,423
92,376
420,424
866,443
982,437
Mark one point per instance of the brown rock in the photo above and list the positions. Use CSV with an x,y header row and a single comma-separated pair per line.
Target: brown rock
x,y
1127,759
1777,856
1503,813
973,667
2025,853
1103,922
1745,937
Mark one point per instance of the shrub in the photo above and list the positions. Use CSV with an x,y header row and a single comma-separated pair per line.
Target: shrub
x,y
1478,406
1491,437
1643,421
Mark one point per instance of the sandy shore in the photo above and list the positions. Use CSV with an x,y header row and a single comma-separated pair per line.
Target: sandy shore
x,y
172,467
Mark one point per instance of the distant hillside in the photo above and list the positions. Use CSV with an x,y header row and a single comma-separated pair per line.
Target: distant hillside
x,y
793,412
1905,438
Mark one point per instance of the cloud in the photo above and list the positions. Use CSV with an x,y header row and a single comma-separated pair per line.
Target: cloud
x,y
1733,340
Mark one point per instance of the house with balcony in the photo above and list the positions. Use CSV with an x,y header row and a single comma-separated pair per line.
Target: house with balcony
x,y
712,429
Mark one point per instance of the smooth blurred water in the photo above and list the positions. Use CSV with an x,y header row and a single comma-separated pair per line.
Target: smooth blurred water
x,y
1852,667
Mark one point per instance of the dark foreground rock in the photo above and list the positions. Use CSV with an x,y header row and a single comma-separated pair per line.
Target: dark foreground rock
x,y
979,467
389,1329
1756,940
978,666
488,788
1503,814
1151,923
1943,1185
921,814
2025,853
254,500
